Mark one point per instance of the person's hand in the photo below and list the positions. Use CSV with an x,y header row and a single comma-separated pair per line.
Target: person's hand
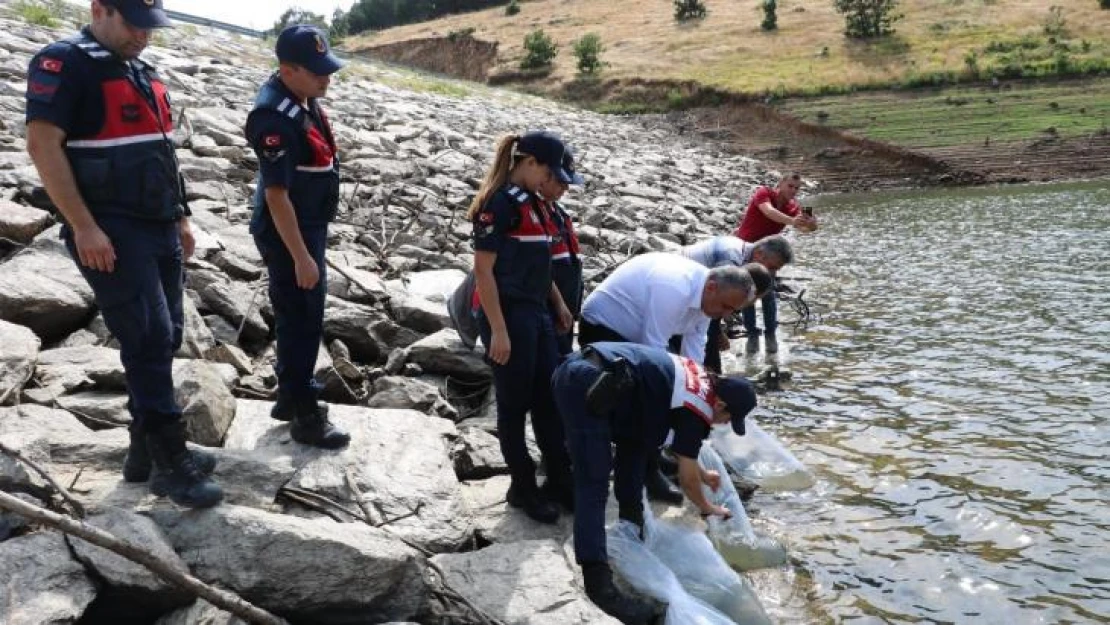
x,y
188,241
712,479
308,274
94,249
564,321
500,347
720,511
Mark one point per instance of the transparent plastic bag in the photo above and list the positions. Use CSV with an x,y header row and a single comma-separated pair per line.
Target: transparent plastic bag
x,y
702,571
645,572
759,457
735,538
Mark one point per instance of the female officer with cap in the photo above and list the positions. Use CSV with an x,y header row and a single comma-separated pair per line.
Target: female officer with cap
x,y
512,270
566,265
296,198
636,398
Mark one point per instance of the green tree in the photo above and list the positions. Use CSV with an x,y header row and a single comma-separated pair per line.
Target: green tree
x,y
340,25
689,10
296,15
770,18
539,50
868,19
512,8
588,51
1104,4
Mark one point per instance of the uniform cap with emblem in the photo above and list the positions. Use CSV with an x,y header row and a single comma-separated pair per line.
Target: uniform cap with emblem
x,y
549,149
141,13
307,46
739,395
568,167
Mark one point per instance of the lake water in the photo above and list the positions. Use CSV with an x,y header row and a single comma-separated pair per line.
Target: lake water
x,y
953,401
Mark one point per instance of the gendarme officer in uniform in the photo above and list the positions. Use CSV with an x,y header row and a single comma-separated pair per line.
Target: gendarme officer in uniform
x,y
297,196
99,126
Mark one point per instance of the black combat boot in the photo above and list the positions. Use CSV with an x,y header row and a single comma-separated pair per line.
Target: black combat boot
x,y
659,488
312,427
524,494
622,606
284,409
175,471
136,465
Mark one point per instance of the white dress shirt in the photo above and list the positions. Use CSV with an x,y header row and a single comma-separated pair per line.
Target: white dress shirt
x,y
651,298
719,251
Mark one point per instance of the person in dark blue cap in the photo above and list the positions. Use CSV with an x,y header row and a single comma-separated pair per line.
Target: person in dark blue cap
x,y
566,264
515,293
99,128
636,398
297,196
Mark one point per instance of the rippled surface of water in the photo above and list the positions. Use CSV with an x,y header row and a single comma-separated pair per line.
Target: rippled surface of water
x,y
954,403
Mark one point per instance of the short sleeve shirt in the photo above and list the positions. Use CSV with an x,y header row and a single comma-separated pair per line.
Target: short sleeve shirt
x,y
278,146
58,84
755,224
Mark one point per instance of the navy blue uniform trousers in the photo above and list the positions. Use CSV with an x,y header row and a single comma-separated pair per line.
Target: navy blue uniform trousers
x,y
142,307
523,384
298,313
589,438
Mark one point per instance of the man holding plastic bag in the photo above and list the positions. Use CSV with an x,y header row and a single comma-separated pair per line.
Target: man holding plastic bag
x,y
636,398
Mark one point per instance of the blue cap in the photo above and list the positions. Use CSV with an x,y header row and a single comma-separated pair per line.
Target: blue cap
x,y
145,14
739,395
568,170
307,46
549,149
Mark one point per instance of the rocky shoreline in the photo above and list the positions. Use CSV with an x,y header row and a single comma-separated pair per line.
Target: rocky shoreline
x,y
317,537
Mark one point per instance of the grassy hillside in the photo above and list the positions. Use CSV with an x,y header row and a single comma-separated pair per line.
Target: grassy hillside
x,y
808,53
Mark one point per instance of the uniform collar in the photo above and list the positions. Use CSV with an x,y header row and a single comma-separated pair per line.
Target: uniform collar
x,y
275,81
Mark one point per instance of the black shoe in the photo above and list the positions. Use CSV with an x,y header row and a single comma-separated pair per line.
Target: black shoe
x,y
136,465
633,514
659,488
176,473
527,497
285,409
314,428
622,606
558,492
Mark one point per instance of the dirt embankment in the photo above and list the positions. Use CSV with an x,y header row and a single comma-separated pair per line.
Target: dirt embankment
x,y
461,56
749,126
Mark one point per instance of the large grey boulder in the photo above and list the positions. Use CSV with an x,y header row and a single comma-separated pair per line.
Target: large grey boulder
x,y
205,400
443,352
197,338
98,410
67,369
235,301
310,570
496,522
351,323
399,460
200,613
419,314
131,590
21,223
478,455
522,583
436,285
19,351
41,288
42,581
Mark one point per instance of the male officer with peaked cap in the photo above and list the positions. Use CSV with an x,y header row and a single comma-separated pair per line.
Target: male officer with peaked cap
x,y
297,196
99,126
636,398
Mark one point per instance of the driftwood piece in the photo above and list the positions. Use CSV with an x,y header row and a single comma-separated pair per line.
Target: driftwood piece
x,y
220,598
78,509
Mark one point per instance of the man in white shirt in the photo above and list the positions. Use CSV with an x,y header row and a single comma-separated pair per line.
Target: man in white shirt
x,y
651,298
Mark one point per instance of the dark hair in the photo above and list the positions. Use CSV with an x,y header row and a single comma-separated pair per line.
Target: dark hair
x,y
761,278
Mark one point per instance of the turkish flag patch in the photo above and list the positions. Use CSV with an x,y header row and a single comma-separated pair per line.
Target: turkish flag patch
x,y
50,65
271,141
485,218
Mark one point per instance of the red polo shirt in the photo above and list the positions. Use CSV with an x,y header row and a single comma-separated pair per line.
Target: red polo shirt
x,y
755,224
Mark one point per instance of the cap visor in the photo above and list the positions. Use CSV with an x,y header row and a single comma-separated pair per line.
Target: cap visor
x,y
325,65
147,18
569,178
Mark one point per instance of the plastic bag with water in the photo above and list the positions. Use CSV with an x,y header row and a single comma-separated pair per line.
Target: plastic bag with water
x,y
759,457
735,538
645,572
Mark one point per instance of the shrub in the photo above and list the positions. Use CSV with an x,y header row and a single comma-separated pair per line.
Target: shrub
x,y
588,51
971,60
867,19
34,13
688,10
539,50
512,8
770,19
1056,25
462,33
1105,4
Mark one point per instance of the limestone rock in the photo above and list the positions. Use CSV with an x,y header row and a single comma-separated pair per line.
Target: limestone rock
x,y
21,223
205,400
41,288
19,351
496,522
478,455
399,392
42,581
443,352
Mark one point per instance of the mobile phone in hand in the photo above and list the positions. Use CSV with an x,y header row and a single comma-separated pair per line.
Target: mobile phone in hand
x,y
808,210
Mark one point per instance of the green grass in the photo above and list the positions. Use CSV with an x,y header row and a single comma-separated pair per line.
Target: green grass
x,y
964,115
34,13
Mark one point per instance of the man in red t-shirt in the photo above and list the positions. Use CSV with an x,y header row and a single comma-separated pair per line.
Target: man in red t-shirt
x,y
769,211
